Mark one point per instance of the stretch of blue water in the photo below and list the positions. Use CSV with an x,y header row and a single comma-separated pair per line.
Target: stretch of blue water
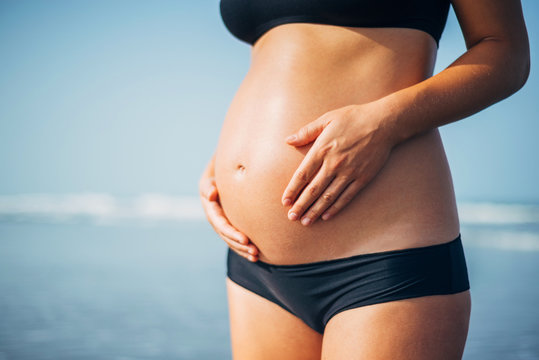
x,y
79,291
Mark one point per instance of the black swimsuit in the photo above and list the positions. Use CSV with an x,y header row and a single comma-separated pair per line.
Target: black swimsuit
x,y
316,291
250,19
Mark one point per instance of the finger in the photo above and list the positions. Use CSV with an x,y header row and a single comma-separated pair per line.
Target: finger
x,y
248,250
209,193
234,238
242,250
309,132
302,176
212,193
243,253
223,227
309,195
346,196
248,257
328,197
218,219
208,188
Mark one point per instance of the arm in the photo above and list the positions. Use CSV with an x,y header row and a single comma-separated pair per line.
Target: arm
x,y
209,197
353,142
495,66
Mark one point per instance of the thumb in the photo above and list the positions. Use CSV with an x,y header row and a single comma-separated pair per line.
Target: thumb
x,y
309,132
212,193
209,190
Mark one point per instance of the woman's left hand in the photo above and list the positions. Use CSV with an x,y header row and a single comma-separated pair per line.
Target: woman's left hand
x,y
351,145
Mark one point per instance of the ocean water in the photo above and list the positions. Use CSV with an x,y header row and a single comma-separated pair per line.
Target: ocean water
x,y
80,291
96,282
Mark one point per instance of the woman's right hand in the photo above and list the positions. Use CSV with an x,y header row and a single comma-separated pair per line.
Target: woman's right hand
x,y
235,239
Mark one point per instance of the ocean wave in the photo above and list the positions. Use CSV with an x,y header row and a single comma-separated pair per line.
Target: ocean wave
x,y
99,208
103,207
501,239
490,213
484,224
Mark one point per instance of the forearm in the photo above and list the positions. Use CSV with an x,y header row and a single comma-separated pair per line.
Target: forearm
x,y
488,72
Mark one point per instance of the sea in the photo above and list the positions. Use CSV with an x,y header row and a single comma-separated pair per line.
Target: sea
x,y
94,276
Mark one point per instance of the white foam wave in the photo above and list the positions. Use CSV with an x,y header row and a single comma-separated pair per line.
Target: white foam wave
x,y
494,219
497,214
502,239
153,206
100,208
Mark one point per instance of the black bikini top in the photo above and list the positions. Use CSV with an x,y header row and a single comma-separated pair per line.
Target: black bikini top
x,y
249,19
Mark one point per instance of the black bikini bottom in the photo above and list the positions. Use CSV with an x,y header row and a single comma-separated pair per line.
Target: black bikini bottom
x,y
316,291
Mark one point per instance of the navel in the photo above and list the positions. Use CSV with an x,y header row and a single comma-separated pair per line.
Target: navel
x,y
240,169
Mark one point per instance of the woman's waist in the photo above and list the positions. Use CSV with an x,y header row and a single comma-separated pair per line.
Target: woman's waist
x,y
409,203
318,51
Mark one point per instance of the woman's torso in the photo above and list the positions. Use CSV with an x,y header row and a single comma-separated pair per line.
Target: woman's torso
x,y
298,72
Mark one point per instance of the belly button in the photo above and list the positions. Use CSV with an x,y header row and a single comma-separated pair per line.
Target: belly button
x,y
240,168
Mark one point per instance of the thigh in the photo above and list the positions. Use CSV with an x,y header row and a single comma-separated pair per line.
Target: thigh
x,y
261,329
430,327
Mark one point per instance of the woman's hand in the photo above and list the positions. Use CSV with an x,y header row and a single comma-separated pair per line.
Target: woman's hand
x,y
351,145
235,239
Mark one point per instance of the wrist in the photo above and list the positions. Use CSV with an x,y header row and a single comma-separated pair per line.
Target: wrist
x,y
380,116
391,110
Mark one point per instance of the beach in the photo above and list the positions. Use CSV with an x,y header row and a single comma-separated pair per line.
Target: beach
x,y
75,289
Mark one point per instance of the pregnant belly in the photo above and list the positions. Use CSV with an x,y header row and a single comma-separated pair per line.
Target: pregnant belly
x,y
409,203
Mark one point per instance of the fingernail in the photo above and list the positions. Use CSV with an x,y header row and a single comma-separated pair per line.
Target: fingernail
x,y
251,251
292,216
287,202
306,221
291,138
252,258
325,216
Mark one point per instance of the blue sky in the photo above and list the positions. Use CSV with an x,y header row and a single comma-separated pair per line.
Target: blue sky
x,y
128,97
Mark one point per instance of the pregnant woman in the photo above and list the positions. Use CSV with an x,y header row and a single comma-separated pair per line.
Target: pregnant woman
x,y
330,183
